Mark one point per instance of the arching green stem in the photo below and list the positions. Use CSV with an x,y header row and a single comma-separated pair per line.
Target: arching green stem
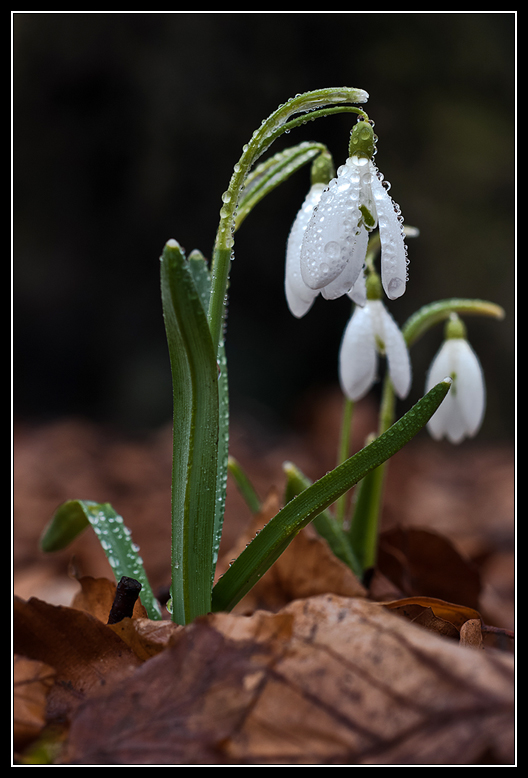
x,y
318,103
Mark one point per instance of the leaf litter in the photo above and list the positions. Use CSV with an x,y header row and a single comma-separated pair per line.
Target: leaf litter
x,y
310,668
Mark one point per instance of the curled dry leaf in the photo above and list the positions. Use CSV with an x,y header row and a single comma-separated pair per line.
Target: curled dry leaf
x,y
328,680
446,618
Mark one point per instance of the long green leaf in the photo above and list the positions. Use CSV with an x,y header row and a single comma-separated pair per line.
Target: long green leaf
x,y
202,281
273,172
327,526
72,517
274,538
195,437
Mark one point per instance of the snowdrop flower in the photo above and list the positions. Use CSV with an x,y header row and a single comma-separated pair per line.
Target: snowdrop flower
x,y
355,202
372,331
461,412
299,296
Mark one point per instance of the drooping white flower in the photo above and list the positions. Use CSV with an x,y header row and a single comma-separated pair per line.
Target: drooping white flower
x,y
299,296
370,332
335,242
461,412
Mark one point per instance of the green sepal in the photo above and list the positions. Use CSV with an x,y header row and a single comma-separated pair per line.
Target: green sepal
x,y
74,516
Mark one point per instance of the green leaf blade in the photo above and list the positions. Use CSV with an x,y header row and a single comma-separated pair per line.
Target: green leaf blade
x,y
195,437
273,172
273,539
72,517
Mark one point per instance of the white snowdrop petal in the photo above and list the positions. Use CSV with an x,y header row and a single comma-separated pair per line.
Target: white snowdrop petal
x,y
330,240
298,304
348,278
395,350
357,355
470,387
298,296
461,412
393,249
358,293
441,367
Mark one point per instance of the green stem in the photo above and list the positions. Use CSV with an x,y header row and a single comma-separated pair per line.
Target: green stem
x,y
429,315
312,104
363,532
344,453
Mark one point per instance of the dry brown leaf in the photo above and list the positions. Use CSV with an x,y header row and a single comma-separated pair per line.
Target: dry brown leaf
x,y
86,654
420,561
328,680
32,681
471,633
145,637
97,596
434,614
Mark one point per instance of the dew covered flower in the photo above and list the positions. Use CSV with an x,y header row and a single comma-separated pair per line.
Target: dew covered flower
x,y
461,412
372,332
355,202
299,296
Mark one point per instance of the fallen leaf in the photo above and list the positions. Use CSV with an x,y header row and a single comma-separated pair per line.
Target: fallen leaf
x,y
471,633
32,681
327,680
432,613
146,637
86,654
421,561
97,596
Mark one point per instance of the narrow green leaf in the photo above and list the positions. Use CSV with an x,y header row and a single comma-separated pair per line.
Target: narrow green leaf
x,y
202,281
273,172
195,437
327,526
274,538
72,518
244,485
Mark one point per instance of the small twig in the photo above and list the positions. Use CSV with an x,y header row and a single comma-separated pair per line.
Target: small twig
x,y
127,592
509,633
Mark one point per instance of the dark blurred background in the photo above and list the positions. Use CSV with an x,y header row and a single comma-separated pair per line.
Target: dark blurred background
x,y
126,130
